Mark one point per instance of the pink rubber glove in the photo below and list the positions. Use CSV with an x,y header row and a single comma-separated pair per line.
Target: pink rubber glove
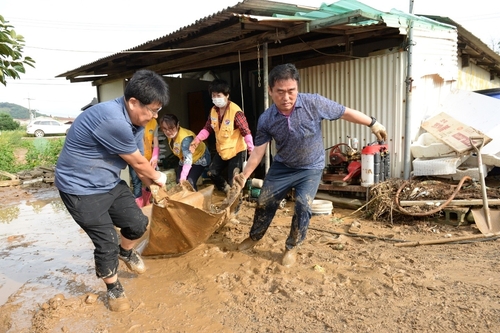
x,y
154,157
185,172
249,141
203,135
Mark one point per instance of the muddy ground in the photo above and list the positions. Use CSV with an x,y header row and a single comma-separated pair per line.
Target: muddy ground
x,y
366,284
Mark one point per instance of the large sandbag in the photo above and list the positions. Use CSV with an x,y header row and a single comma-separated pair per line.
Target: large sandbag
x,y
181,219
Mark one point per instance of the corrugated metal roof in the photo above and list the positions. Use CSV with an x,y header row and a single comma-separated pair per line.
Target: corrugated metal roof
x,y
299,34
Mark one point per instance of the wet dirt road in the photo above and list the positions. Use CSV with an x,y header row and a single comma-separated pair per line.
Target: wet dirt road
x,y
43,252
367,286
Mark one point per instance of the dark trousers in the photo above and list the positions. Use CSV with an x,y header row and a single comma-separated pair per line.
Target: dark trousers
x,y
234,167
193,175
278,182
98,214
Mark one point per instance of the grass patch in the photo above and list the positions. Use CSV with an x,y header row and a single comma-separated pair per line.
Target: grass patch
x,y
40,151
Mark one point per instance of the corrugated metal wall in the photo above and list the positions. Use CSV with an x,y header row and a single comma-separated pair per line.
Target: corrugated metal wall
x,y
435,52
374,86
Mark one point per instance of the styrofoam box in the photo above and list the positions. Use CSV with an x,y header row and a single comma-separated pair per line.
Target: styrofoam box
x,y
437,166
428,146
491,159
470,168
472,172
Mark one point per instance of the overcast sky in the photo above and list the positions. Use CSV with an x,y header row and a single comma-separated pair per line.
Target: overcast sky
x,y
63,35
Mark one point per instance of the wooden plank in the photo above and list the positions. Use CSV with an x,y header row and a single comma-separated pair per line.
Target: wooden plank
x,y
340,202
8,174
14,180
4,183
464,202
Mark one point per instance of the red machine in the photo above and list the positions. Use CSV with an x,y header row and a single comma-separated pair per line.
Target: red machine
x,y
375,161
351,170
345,164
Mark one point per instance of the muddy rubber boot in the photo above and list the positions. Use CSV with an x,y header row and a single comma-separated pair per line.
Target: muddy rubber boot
x,y
289,257
247,244
117,300
133,261
146,196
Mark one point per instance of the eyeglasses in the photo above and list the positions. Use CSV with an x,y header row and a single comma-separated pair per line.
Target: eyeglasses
x,y
155,113
169,129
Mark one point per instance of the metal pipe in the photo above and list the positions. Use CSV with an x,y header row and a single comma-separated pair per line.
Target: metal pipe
x,y
408,105
267,159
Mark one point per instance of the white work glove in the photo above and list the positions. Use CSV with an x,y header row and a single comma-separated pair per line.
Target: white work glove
x,y
162,180
379,130
240,180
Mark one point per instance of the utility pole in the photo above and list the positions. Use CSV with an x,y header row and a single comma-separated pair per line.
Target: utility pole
x,y
29,108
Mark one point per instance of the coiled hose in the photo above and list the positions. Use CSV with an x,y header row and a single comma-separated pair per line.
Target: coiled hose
x,y
433,211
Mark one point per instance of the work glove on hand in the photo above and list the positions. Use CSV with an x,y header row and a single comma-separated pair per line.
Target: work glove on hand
x,y
240,180
379,130
162,180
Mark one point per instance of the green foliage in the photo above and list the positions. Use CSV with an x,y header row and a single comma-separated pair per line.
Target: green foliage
x,y
14,110
7,159
43,152
7,123
12,61
9,141
12,138
39,151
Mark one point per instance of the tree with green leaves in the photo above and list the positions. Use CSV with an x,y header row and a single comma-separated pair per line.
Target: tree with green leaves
x,y
7,123
12,61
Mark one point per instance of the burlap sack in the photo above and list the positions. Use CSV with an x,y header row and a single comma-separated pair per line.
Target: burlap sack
x,y
181,219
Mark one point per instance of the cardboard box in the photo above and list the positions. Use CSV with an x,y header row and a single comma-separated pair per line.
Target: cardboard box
x,y
452,132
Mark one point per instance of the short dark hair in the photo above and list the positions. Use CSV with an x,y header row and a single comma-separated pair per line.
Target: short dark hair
x,y
283,72
147,87
170,120
219,86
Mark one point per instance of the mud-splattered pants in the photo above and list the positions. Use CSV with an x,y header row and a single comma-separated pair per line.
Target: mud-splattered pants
x,y
97,214
234,166
278,182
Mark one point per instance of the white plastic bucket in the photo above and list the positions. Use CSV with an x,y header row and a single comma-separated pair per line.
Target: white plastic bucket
x,y
321,207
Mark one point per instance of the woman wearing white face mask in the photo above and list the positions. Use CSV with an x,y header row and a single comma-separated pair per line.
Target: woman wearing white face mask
x,y
232,135
191,165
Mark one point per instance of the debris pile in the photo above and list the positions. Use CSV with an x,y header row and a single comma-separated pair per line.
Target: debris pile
x,y
38,177
428,195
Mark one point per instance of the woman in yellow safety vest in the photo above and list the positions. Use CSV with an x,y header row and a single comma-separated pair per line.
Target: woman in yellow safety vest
x,y
232,135
191,164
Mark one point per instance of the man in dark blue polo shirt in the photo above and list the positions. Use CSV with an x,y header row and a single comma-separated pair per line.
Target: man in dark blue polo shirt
x,y
101,142
294,122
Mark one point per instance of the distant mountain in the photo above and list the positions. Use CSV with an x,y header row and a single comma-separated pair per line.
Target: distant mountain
x,y
16,111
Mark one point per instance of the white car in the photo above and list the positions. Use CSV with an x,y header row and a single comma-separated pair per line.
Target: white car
x,y
42,127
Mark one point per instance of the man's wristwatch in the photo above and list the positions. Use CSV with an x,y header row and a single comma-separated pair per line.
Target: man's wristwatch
x,y
373,122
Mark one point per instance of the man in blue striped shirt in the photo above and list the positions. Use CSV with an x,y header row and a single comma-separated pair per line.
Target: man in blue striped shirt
x,y
294,122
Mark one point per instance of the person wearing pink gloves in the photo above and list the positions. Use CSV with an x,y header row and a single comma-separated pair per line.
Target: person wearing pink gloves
x,y
232,136
191,165
151,151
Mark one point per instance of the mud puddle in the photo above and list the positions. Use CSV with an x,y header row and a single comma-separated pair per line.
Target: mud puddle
x,y
43,252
